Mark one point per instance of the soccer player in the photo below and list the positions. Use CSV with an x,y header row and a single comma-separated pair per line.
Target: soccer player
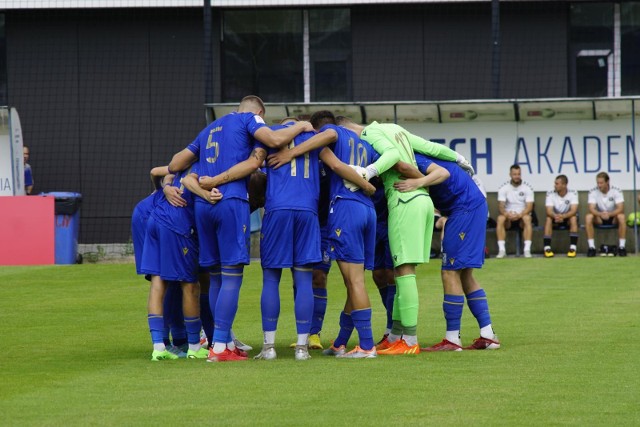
x,y
225,150
606,206
351,223
174,334
170,253
291,235
460,200
562,212
409,239
515,204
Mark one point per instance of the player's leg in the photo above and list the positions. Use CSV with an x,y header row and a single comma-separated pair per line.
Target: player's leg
x,y
232,232
502,224
622,233
353,276
306,253
270,309
589,221
180,263
546,238
527,234
573,236
410,243
150,265
320,273
477,302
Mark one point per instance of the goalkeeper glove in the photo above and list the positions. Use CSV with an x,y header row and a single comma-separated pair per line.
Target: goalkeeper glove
x,y
366,173
464,164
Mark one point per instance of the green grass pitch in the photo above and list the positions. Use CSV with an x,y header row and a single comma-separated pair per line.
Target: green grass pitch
x,y
77,352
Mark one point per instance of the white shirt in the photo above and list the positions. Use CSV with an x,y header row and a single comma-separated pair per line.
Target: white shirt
x,y
515,198
561,205
605,202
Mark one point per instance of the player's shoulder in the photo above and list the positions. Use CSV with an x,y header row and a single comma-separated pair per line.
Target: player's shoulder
x,y
505,185
551,193
572,192
615,189
528,186
593,190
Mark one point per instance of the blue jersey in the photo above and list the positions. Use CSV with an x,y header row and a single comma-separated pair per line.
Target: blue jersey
x,y
350,149
139,224
223,144
28,176
459,191
180,220
295,185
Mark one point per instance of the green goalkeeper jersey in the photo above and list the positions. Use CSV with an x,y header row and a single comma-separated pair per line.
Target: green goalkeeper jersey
x,y
394,143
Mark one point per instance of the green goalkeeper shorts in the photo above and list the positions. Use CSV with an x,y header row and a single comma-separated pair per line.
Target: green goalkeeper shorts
x,y
410,230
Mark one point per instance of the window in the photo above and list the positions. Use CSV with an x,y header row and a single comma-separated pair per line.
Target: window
x,y
330,55
591,49
285,55
630,47
262,55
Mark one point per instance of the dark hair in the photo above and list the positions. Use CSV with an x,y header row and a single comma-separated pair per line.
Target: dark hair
x,y
603,175
563,178
321,118
516,167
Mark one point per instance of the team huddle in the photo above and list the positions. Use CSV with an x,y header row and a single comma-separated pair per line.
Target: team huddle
x,y
192,236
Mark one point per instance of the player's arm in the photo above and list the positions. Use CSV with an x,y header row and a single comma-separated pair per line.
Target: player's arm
x,y
157,175
501,207
345,171
618,210
407,170
550,212
389,154
284,156
439,151
191,183
436,174
278,138
182,160
237,171
573,211
528,208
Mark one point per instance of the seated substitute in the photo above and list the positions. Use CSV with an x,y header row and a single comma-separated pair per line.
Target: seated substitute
x,y
562,213
606,207
515,204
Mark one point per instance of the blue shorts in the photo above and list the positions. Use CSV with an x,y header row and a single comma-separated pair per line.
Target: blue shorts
x,y
289,238
325,264
382,258
138,232
169,255
224,232
464,237
353,232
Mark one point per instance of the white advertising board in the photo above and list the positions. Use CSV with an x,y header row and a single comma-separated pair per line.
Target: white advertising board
x,y
543,149
11,158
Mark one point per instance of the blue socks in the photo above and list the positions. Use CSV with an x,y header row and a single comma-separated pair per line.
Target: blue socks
x,y
346,327
303,278
452,307
156,327
477,302
362,322
319,309
270,298
227,302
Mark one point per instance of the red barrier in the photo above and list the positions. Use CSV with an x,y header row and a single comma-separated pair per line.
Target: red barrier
x,y
27,230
